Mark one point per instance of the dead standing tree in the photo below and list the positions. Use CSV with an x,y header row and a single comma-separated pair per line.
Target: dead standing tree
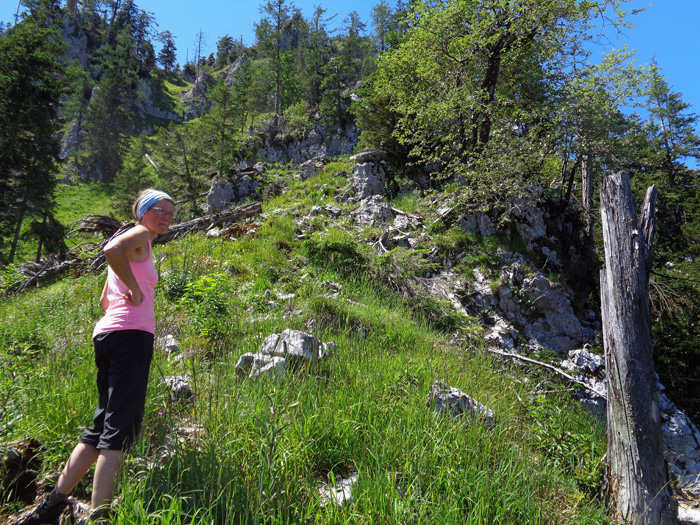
x,y
638,486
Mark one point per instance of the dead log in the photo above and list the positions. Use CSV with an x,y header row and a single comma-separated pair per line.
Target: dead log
x,y
638,484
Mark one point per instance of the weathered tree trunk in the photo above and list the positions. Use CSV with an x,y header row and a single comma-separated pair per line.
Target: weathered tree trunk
x,y
637,477
587,191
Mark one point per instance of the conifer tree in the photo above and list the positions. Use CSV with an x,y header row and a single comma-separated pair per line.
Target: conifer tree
x,y
166,55
269,34
30,88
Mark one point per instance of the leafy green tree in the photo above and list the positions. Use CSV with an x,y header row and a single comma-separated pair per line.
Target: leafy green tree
x,y
127,57
30,87
107,118
473,79
79,85
181,156
350,62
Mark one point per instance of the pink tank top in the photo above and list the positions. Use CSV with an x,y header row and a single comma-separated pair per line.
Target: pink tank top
x,y
121,315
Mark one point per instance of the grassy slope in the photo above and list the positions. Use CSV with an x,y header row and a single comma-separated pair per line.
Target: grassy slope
x,y
244,451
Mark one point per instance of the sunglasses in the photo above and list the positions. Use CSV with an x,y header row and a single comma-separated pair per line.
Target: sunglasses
x,y
163,212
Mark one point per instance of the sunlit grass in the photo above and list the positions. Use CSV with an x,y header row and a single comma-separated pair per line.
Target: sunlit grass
x,y
258,451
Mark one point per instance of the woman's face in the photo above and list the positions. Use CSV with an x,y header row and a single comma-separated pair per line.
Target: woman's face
x,y
158,217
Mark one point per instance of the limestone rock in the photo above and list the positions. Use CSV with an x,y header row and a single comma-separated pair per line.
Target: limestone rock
x,y
220,196
453,402
372,211
309,169
369,155
168,344
279,350
179,386
478,223
368,179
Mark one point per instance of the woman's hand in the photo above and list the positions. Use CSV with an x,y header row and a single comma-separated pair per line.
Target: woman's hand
x,y
133,297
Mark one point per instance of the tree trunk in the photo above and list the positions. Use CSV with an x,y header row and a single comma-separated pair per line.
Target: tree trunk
x,y
637,477
587,201
18,230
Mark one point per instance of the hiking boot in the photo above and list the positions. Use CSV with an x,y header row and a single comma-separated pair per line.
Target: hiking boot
x,y
45,513
96,517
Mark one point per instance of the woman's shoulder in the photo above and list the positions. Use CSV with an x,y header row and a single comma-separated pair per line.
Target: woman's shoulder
x,y
135,237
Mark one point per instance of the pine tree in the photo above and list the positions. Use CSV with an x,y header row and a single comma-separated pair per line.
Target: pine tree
x,y
166,55
29,99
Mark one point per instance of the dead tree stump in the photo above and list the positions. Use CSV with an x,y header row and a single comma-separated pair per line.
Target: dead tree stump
x,y
638,483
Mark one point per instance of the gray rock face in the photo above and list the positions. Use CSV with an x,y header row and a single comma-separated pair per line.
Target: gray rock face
x,y
557,327
681,438
223,194
76,39
478,223
148,106
370,155
69,140
529,218
368,179
230,73
373,210
220,196
309,169
453,402
195,100
320,143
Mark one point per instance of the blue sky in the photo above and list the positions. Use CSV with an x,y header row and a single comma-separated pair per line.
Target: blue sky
x,y
667,30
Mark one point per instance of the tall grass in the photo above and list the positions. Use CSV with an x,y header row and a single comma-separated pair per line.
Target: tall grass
x,y
259,451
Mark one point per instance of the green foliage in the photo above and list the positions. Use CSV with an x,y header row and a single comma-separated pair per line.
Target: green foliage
x,y
136,175
205,299
675,331
297,123
336,251
399,266
30,88
577,449
440,315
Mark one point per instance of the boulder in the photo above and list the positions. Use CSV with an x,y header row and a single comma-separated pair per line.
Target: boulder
x,y
369,155
295,344
179,387
372,211
478,223
279,350
168,344
221,195
455,403
368,179
309,169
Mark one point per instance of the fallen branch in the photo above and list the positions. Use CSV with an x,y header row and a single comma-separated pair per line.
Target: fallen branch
x,y
549,367
35,273
409,215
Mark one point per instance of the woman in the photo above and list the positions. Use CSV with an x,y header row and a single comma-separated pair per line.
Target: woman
x,y
123,342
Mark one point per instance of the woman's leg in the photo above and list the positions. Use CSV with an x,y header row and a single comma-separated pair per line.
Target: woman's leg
x,y
106,472
79,462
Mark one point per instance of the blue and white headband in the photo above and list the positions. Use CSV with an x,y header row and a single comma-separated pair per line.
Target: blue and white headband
x,y
149,199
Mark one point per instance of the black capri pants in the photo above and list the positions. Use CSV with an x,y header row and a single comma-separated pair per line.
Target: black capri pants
x,y
123,359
